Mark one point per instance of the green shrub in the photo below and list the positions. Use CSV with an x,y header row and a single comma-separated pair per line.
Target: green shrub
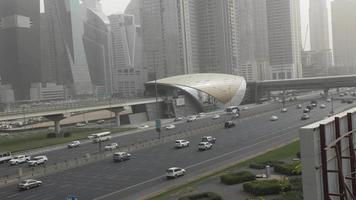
x,y
66,134
273,163
202,196
257,166
236,178
267,187
51,135
289,169
298,154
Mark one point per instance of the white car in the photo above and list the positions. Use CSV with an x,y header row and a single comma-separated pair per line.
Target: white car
x,y
299,106
111,146
245,108
216,116
170,127
322,106
143,126
28,184
191,118
80,124
328,100
19,159
202,146
273,118
284,110
38,160
73,144
304,116
175,172
181,143
201,115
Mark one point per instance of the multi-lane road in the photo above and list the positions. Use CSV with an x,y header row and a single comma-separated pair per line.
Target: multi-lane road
x,y
144,173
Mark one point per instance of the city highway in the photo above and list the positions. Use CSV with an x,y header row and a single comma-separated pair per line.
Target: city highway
x,y
144,173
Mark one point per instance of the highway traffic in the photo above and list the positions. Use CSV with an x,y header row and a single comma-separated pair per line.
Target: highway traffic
x,y
144,173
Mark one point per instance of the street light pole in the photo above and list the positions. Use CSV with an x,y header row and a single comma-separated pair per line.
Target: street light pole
x,y
332,104
158,121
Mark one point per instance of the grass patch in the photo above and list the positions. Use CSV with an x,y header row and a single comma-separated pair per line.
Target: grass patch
x,y
23,141
281,153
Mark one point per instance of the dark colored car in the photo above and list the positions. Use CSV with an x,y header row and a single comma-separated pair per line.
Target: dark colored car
x,y
229,124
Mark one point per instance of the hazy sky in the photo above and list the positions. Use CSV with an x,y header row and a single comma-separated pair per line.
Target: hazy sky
x,y
113,6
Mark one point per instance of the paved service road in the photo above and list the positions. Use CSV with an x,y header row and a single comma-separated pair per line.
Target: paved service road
x,y
144,173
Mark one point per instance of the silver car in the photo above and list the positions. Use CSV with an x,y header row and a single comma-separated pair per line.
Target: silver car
x,y
28,184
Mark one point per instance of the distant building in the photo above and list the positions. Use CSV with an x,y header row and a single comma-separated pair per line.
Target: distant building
x,y
20,45
48,91
344,32
6,94
313,63
284,39
128,74
97,43
65,61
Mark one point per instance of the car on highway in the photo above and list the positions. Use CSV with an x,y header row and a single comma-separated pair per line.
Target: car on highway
x,y
328,100
229,124
216,116
210,139
5,157
181,143
322,106
314,103
38,160
19,159
28,184
111,146
73,144
170,127
174,172
284,110
343,101
80,124
178,119
306,110
202,146
349,101
121,156
143,126
273,118
245,108
309,107
304,116
91,136
191,118
299,106
100,121
201,114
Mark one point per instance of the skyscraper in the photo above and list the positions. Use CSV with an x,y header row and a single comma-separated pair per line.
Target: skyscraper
x,y
97,43
128,74
66,63
344,32
20,45
284,39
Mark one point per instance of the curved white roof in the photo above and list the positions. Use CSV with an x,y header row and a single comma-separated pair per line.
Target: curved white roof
x,y
223,87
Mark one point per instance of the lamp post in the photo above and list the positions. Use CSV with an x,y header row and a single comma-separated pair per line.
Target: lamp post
x,y
158,121
332,104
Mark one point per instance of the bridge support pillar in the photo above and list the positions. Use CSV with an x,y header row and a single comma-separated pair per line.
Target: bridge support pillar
x,y
57,121
326,93
117,112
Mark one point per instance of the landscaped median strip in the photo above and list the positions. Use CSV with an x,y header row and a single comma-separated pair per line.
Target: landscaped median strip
x,y
281,151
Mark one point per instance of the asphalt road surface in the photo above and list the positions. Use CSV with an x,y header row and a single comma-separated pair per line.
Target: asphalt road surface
x,y
144,173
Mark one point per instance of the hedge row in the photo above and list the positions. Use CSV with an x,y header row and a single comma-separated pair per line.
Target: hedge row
x,y
267,187
236,178
54,135
289,169
202,196
263,165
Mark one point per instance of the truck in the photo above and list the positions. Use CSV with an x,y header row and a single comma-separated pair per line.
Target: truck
x,y
19,159
5,157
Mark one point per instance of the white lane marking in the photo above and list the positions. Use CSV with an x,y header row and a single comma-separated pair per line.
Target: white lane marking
x,y
197,164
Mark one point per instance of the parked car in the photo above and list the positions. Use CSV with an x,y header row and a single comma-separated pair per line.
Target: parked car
x,y
229,124
111,146
38,160
170,127
216,116
202,146
210,139
28,184
175,172
121,156
273,118
304,116
19,159
74,144
191,118
181,143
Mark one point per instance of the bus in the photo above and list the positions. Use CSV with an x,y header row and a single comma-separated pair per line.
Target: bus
x,y
100,137
232,110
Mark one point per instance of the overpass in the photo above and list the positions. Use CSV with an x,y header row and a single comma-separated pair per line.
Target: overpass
x,y
58,113
259,89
